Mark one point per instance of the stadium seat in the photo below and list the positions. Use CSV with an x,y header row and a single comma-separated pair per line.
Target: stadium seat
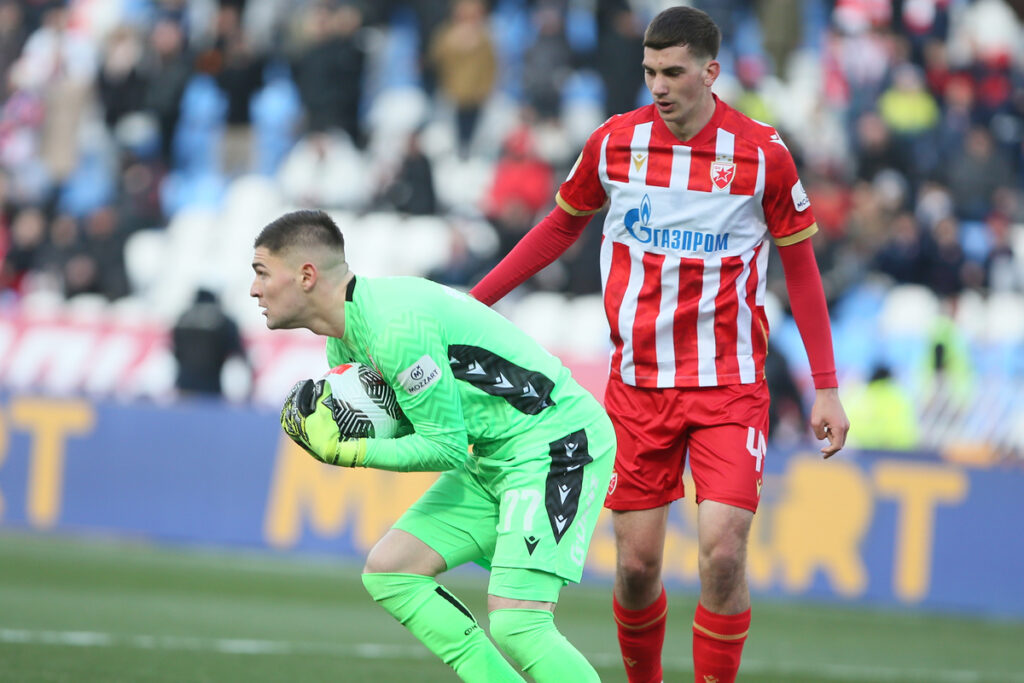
x,y
908,309
144,256
426,243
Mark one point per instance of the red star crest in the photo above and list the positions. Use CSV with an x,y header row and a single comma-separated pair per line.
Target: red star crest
x,y
722,173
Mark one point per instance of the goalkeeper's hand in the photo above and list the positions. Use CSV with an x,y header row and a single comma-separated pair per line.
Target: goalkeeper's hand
x,y
307,419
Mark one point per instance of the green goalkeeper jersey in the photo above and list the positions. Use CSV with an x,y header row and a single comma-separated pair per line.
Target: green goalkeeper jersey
x,y
463,374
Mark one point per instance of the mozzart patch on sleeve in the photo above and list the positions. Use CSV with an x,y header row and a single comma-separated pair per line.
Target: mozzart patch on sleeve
x,y
419,375
800,199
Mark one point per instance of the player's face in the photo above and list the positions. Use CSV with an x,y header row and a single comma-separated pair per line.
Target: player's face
x,y
277,288
680,85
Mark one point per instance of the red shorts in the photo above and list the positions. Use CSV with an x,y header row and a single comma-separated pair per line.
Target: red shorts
x,y
723,430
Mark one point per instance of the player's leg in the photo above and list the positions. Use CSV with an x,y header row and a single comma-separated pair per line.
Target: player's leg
x,y
549,505
727,462
525,628
400,571
639,602
651,434
722,618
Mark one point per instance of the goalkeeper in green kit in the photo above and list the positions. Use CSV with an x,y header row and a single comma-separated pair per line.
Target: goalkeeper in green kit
x,y
524,501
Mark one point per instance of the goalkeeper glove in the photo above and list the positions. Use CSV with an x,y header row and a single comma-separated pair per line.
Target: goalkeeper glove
x,y
307,418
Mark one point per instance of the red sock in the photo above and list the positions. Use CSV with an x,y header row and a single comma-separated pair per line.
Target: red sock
x,y
718,645
641,635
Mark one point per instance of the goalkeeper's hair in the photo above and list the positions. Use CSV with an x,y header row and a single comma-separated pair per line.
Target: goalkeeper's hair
x,y
305,229
684,26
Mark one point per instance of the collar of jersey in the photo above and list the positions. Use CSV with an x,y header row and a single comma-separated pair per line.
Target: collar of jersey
x,y
705,135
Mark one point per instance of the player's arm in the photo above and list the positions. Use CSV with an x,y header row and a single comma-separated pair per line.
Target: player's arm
x,y
791,222
410,354
810,312
538,248
578,198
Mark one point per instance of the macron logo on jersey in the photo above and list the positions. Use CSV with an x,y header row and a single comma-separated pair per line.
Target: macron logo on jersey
x,y
800,199
637,222
419,375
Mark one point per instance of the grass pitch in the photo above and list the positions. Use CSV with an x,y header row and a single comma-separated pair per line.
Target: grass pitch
x,y
86,611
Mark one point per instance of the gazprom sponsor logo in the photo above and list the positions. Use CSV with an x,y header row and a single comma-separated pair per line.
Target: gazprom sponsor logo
x,y
638,225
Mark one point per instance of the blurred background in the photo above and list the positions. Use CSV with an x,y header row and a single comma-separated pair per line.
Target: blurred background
x,y
144,143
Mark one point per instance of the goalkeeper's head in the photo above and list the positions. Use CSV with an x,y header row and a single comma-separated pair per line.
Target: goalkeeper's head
x,y
301,273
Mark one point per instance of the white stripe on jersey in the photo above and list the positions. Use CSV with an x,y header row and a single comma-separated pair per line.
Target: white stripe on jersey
x,y
744,319
627,314
664,324
638,152
706,342
725,143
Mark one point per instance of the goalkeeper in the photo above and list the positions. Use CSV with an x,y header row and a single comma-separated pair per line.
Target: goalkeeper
x,y
526,499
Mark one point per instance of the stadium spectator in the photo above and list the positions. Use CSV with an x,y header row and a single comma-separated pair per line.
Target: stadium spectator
x,y
121,83
12,39
619,49
168,68
334,53
976,176
410,189
238,67
902,255
679,387
204,338
27,241
466,63
887,411
547,64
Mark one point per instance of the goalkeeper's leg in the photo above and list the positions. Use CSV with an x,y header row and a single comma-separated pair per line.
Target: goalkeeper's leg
x,y
523,626
442,623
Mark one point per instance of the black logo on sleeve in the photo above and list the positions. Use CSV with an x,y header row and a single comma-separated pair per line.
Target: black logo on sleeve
x,y
569,455
531,543
527,391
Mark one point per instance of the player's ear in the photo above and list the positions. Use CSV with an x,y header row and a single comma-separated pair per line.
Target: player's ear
x,y
308,275
711,72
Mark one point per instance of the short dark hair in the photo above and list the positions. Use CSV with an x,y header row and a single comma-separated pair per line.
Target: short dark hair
x,y
306,228
684,26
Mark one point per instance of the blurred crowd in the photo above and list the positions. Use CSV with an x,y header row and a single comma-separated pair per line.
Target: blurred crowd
x,y
905,117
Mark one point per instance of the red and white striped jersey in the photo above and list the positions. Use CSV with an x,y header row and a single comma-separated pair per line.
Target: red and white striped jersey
x,y
685,245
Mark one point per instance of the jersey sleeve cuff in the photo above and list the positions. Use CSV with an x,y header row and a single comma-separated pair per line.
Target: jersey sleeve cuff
x,y
799,236
572,210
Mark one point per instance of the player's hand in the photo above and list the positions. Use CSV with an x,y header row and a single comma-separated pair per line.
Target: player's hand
x,y
307,418
829,421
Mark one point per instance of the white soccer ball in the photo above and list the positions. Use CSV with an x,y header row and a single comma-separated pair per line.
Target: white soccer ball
x,y
363,404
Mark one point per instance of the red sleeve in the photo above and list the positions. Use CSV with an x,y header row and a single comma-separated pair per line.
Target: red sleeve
x,y
787,210
538,248
807,301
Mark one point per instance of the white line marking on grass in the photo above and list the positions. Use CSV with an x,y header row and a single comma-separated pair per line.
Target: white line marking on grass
x,y
248,646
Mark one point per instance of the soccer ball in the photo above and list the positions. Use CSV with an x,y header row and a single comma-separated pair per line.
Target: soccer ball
x,y
363,404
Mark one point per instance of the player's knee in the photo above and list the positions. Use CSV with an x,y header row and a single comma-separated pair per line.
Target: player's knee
x,y
519,632
638,570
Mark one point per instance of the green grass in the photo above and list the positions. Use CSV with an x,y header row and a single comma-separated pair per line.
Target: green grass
x,y
90,611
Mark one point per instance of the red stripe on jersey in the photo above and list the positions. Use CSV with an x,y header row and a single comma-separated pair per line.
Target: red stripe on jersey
x,y
726,314
700,168
745,158
645,350
759,321
618,152
614,291
684,323
659,166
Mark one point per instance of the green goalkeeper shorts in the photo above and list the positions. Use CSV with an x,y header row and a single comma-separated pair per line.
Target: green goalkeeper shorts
x,y
532,503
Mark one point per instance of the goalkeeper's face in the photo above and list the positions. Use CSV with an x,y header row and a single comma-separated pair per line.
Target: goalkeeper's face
x,y
277,287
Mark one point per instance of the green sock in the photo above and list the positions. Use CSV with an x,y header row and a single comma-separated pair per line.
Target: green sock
x,y
442,623
530,638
